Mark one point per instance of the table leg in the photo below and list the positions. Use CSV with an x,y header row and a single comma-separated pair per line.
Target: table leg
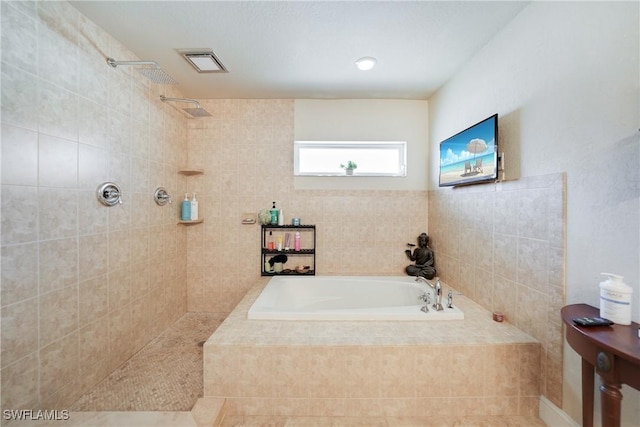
x,y
611,402
587,393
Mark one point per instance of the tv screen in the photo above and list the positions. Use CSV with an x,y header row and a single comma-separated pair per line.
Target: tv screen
x,y
471,156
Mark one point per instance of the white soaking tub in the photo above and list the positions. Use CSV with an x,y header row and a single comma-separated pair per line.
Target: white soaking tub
x,y
347,298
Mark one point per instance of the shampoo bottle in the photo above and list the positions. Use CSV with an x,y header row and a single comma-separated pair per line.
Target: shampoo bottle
x,y
297,241
280,217
274,214
270,244
185,208
194,208
615,299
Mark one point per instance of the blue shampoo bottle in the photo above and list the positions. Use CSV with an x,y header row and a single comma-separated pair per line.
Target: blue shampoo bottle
x,y
185,208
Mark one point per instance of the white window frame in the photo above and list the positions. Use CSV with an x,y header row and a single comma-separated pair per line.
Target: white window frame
x,y
399,147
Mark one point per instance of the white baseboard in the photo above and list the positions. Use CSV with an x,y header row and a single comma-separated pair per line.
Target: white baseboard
x,y
553,416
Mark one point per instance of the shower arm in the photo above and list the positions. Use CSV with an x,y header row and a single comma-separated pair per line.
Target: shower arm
x,y
193,101
150,69
115,63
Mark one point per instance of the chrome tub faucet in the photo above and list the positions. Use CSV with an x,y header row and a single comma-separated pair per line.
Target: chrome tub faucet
x,y
437,290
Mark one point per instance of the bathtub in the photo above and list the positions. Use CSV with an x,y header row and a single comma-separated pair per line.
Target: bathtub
x,y
346,298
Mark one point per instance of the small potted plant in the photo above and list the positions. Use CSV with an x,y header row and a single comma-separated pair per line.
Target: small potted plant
x,y
349,167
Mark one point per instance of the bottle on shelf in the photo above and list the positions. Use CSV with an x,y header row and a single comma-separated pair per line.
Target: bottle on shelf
x,y
185,208
194,208
297,242
274,214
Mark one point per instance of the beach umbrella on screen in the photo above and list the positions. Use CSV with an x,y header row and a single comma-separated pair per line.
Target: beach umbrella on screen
x,y
476,146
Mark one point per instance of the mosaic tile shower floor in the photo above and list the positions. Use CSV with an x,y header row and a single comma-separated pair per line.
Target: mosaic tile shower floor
x,y
166,375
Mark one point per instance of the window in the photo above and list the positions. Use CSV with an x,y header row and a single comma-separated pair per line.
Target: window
x,y
374,158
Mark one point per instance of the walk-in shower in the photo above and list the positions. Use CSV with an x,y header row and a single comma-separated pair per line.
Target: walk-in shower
x,y
149,69
196,111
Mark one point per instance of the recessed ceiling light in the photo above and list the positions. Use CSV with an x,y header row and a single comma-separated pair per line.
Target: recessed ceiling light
x,y
203,60
366,63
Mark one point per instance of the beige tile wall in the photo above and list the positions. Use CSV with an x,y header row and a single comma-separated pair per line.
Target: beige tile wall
x,y
83,286
246,150
504,247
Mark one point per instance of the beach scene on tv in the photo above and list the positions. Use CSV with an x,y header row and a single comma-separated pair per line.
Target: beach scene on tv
x,y
469,156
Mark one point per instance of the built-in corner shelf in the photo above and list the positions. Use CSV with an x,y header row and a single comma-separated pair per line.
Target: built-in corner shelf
x,y
197,221
191,172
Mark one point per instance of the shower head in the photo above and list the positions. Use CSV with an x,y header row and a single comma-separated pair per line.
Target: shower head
x,y
149,69
196,111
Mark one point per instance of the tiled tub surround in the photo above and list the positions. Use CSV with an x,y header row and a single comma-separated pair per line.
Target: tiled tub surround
x,y
504,247
371,368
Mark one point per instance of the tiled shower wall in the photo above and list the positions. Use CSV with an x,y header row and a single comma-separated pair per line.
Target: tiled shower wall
x,y
246,151
83,286
504,247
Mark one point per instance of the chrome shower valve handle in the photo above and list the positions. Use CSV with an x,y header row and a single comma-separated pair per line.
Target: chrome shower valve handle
x,y
109,194
161,196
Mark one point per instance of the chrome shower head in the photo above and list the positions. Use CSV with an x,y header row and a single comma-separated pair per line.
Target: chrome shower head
x,y
196,111
150,70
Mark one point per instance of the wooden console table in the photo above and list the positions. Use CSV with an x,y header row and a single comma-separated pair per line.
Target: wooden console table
x,y
614,351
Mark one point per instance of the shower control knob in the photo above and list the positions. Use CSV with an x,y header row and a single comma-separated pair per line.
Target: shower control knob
x,y
109,194
161,196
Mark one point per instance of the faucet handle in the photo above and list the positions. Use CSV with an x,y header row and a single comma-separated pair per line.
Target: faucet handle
x,y
426,297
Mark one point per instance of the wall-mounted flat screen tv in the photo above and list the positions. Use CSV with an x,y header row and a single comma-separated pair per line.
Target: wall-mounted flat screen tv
x,y
470,156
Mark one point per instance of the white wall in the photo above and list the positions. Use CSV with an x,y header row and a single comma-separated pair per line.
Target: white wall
x,y
563,77
362,120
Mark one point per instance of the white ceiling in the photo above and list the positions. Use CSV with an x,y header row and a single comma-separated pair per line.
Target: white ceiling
x,y
277,49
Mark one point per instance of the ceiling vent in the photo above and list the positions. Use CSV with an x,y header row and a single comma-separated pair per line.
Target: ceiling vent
x,y
203,60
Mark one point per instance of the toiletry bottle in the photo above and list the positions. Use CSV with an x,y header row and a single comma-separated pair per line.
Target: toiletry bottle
x,y
280,217
270,245
297,241
274,214
185,208
194,208
615,299
279,243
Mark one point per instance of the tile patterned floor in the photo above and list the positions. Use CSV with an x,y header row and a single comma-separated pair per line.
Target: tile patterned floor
x,y
166,375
